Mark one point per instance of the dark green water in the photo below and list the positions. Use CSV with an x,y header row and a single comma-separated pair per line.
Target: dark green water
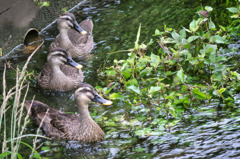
x,y
115,28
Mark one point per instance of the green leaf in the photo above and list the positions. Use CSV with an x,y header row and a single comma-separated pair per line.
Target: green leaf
x,y
208,8
198,94
115,96
192,38
235,16
152,90
126,73
110,72
155,60
157,33
181,76
222,90
146,71
3,155
108,90
135,89
138,36
232,9
176,37
132,82
45,148
183,34
36,155
218,39
212,25
194,26
221,58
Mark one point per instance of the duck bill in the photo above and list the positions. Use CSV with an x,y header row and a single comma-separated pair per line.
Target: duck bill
x,y
78,28
72,63
97,98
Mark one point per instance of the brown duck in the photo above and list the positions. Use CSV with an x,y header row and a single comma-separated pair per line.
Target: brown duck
x,y
75,38
60,125
60,72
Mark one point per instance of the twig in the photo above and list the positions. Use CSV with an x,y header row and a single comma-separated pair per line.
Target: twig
x,y
165,49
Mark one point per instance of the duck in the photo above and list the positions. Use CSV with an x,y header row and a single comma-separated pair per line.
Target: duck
x,y
60,72
59,125
76,38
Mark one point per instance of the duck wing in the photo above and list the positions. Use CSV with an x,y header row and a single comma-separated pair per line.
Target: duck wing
x,y
44,76
74,73
56,124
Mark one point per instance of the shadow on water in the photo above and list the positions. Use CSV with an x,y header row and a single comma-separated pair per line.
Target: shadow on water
x,y
115,28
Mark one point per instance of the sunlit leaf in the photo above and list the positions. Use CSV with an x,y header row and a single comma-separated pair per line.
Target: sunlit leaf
x,y
114,96
138,36
193,26
222,90
176,37
198,94
155,60
235,16
232,9
208,8
126,73
135,89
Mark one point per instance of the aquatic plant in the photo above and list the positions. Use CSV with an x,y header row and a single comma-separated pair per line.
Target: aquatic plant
x,y
174,73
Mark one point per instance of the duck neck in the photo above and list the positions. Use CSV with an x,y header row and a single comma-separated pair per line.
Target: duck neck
x,y
65,41
83,111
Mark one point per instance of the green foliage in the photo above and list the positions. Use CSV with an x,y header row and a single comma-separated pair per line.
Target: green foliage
x,y
42,3
158,86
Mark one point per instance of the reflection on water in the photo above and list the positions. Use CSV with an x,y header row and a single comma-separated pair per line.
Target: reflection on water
x,y
210,135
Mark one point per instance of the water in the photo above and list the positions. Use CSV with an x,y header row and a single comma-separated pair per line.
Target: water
x,y
204,135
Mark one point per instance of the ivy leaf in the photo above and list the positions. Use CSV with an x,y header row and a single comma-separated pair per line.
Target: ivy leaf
x,y
134,89
198,94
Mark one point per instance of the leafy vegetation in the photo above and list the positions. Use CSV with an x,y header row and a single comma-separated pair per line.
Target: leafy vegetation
x,y
187,69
